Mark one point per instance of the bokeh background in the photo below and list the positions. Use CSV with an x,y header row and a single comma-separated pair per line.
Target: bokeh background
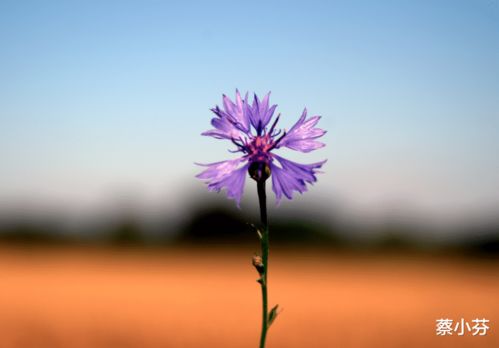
x,y
108,240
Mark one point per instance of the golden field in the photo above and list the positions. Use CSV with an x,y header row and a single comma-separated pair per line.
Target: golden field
x,y
193,298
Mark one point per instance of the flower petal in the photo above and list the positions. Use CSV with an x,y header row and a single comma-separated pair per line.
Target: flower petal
x,y
259,113
301,137
236,111
292,177
224,128
225,174
233,121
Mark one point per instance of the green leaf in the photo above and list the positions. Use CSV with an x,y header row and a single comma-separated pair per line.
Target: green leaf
x,y
258,232
273,314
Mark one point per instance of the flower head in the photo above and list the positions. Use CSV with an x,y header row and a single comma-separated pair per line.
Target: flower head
x,y
254,134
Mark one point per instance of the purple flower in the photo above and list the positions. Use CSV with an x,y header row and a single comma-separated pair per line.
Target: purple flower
x,y
247,127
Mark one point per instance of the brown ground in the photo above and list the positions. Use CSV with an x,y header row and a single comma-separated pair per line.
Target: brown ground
x,y
202,298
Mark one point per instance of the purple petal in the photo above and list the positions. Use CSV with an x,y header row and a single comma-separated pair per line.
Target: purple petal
x,y
292,177
263,108
259,112
268,115
224,129
301,137
232,122
236,112
225,174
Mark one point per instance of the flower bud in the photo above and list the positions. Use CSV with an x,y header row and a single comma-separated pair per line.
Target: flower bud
x,y
258,263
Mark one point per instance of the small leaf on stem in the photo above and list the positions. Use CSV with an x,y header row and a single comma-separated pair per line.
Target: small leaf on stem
x,y
258,232
273,314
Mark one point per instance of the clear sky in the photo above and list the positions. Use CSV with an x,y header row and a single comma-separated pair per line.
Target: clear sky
x,y
99,98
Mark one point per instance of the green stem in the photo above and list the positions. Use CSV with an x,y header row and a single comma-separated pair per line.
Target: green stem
x,y
265,256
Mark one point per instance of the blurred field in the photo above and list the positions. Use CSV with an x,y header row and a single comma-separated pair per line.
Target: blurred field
x,y
209,298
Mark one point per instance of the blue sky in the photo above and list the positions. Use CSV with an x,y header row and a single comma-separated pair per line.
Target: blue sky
x,y
106,97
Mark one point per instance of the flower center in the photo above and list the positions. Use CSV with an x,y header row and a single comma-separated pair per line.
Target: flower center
x,y
259,148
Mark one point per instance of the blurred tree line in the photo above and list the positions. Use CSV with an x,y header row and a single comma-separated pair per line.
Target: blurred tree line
x,y
224,225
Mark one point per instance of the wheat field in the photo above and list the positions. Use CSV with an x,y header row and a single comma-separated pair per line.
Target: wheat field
x,y
194,298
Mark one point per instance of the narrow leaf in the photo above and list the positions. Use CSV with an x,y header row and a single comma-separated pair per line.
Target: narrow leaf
x,y
273,314
258,232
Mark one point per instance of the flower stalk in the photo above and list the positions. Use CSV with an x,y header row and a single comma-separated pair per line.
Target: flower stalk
x,y
264,241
